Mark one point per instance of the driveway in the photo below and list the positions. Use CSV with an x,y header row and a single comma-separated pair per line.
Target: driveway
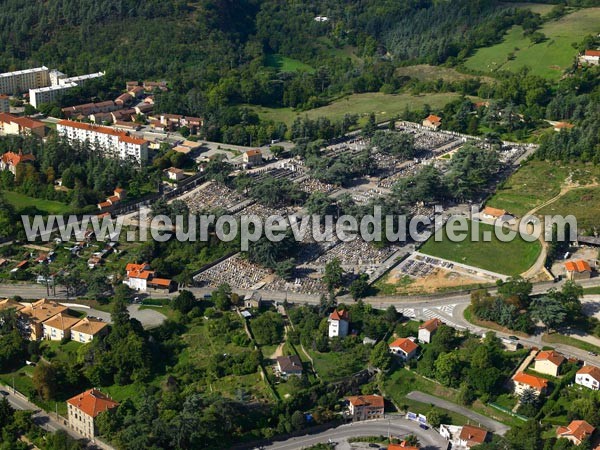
x,y
397,427
149,318
486,422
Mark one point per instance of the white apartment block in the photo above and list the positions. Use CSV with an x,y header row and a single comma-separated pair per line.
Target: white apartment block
x,y
59,84
110,141
23,80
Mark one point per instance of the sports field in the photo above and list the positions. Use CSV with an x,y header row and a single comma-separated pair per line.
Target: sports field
x,y
548,58
507,258
384,106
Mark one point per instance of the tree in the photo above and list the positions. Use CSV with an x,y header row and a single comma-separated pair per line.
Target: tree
x,y
333,274
380,357
222,297
359,288
45,381
298,420
516,290
549,310
435,417
184,302
447,369
268,328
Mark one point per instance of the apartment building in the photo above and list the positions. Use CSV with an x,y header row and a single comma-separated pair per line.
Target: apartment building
x,y
110,141
49,94
23,80
4,103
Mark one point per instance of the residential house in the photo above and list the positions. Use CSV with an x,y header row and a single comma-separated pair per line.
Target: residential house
x,y
523,381
10,124
84,408
33,316
252,158
150,86
588,376
59,327
428,329
124,99
141,277
471,436
576,432
174,174
405,348
366,407
548,362
253,300
10,161
87,329
339,323
490,213
432,121
591,57
578,270
289,365
119,194
8,304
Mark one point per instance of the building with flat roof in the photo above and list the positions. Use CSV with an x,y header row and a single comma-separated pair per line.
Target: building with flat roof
x,y
110,141
49,94
22,80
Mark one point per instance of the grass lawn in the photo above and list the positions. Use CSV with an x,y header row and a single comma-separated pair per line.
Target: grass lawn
x,y
384,106
285,64
591,291
538,8
556,338
508,258
20,201
426,72
577,202
548,58
61,352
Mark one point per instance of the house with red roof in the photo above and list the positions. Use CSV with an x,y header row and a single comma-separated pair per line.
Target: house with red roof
x,y
588,376
548,362
559,126
10,124
523,381
10,160
252,158
432,121
405,348
470,436
428,329
366,407
141,277
84,408
576,432
339,323
578,270
591,57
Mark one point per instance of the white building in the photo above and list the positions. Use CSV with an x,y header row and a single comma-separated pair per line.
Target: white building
x,y
428,329
339,322
588,376
405,348
84,408
112,142
59,84
23,80
4,103
591,57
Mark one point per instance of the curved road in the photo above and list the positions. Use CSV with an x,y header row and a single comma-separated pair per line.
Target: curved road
x,y
397,427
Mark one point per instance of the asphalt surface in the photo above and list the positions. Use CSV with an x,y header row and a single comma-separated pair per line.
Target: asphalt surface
x,y
483,421
397,427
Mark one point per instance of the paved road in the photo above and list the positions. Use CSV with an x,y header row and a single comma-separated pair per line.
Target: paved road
x,y
486,422
397,427
42,419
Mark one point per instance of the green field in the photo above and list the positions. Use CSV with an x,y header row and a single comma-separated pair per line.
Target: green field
x,y
508,258
425,72
538,8
548,58
384,106
285,64
20,201
538,181
577,202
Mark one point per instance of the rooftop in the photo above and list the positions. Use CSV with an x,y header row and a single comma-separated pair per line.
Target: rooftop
x,y
405,345
367,400
92,402
578,266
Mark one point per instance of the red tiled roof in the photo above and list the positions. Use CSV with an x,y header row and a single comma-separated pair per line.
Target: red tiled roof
x,y
550,355
92,402
405,345
433,118
494,212
15,159
133,140
24,122
537,383
104,130
592,371
473,435
340,315
579,429
592,53
161,281
563,125
253,152
430,325
367,400
578,266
